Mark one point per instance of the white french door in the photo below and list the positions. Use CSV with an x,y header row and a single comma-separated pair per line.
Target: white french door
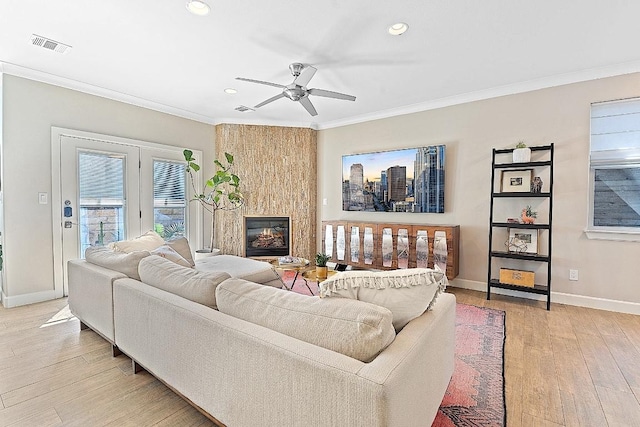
x,y
107,189
100,195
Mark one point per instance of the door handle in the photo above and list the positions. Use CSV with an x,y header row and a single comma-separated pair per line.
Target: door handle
x,y
69,224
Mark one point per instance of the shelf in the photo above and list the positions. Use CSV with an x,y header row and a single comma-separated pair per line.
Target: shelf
x,y
523,256
515,225
536,289
536,148
500,165
521,195
523,165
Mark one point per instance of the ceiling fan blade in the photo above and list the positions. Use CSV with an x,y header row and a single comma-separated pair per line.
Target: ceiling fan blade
x,y
273,98
306,103
305,76
330,94
260,82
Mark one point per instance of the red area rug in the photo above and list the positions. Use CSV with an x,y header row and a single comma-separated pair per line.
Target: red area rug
x,y
475,396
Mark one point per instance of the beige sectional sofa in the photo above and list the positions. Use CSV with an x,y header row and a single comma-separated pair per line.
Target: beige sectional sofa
x,y
269,356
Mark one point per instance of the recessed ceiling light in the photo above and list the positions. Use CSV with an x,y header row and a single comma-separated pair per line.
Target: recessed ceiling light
x,y
398,29
198,7
230,91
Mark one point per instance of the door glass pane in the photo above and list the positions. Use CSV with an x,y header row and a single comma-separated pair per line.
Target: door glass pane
x,y
169,198
102,199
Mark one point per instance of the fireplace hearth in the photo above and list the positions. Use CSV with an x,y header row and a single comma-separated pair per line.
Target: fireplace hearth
x,y
267,236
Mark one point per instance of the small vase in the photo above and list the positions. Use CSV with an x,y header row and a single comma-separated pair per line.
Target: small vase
x,y
321,272
522,155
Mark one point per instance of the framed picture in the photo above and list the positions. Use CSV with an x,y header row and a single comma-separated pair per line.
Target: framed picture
x,y
523,241
516,181
408,180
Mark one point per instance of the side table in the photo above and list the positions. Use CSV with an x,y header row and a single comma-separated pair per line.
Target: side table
x,y
298,268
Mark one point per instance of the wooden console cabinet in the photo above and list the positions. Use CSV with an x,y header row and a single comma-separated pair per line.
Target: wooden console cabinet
x,y
361,252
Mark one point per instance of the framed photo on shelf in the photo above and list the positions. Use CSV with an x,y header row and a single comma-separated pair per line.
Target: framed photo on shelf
x,y
516,181
523,241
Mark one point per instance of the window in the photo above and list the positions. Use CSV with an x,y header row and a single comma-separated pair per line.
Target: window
x,y
614,206
169,198
102,198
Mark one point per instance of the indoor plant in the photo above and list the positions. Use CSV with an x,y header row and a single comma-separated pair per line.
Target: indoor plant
x,y
220,192
321,265
522,153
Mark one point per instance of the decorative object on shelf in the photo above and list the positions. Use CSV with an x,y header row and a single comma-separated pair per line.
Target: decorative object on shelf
x,y
526,240
220,192
321,265
516,181
515,245
517,277
528,215
536,185
522,153
513,220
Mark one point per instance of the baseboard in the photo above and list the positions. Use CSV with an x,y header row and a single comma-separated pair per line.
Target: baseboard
x,y
556,297
24,299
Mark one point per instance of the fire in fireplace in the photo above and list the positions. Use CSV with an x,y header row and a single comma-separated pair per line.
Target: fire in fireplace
x,y
267,236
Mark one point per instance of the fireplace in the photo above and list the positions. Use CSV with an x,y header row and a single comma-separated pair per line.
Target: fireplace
x,y
267,236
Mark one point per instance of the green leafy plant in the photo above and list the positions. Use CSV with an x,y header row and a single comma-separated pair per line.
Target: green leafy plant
x,y
321,259
521,144
530,212
220,192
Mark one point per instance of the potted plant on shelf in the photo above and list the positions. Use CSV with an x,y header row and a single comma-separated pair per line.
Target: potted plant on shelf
x,y
529,215
522,153
220,192
321,265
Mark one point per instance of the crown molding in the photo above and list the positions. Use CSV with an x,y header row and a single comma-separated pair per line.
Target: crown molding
x,y
31,74
511,89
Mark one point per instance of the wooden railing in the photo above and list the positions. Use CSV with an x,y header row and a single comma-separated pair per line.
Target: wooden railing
x,y
403,252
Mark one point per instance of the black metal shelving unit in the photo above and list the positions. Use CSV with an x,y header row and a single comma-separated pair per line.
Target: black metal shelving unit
x,y
542,289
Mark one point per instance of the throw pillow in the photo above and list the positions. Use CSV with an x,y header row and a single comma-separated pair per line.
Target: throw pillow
x,y
353,328
186,282
407,293
147,242
125,263
181,245
167,252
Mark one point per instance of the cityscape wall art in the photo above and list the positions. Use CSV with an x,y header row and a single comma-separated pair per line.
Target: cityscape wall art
x,y
408,180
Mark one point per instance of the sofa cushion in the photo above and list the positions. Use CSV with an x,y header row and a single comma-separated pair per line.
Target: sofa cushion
x,y
147,242
167,252
186,282
407,292
181,245
242,268
353,328
125,263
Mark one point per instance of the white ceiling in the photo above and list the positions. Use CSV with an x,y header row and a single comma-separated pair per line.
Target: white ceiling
x,y
156,54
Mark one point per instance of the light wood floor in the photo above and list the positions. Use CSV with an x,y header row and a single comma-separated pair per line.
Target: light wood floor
x,y
568,367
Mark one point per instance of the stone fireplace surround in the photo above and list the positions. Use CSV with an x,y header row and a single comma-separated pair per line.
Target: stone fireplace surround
x,y
278,173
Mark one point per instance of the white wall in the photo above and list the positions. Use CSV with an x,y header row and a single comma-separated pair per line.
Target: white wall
x,y
608,269
30,109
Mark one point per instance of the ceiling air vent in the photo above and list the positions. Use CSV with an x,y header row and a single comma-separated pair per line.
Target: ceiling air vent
x,y
243,108
46,43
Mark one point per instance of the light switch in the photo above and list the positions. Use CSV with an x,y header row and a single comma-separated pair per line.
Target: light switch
x,y
43,198
324,202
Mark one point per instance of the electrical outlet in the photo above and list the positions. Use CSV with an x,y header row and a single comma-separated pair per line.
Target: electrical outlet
x,y
573,275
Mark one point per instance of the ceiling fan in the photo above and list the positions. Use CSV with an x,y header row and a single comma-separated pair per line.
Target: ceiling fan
x,y
297,90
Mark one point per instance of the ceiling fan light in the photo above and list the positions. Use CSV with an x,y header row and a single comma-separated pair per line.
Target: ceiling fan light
x,y
398,28
198,7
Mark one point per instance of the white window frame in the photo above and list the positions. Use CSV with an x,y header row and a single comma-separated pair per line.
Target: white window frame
x,y
617,158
